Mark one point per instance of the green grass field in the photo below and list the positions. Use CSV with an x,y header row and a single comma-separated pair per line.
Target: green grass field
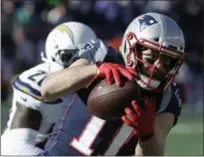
x,y
186,138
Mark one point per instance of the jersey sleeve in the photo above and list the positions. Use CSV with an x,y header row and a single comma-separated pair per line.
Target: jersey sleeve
x,y
28,87
25,99
172,103
96,51
29,83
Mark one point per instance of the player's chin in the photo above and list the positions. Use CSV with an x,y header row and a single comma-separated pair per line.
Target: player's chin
x,y
158,78
155,76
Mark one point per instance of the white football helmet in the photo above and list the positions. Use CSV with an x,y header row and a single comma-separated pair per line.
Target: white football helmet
x,y
160,34
65,39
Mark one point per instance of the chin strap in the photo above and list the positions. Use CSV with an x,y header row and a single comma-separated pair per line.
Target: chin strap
x,y
153,84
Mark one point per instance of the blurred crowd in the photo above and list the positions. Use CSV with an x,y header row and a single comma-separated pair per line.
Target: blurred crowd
x,y
26,24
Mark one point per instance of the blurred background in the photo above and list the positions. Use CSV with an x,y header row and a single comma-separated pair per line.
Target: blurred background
x,y
26,24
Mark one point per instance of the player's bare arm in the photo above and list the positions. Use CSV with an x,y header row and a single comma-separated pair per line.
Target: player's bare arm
x,y
61,82
156,144
150,128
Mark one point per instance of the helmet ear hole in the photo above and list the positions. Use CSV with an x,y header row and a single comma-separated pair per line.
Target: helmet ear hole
x,y
125,47
181,48
53,59
156,39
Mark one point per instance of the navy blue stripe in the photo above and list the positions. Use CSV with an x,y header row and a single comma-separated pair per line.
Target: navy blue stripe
x,y
26,85
113,56
54,102
33,92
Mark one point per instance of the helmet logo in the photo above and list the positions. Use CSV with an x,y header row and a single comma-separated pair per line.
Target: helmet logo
x,y
64,28
146,21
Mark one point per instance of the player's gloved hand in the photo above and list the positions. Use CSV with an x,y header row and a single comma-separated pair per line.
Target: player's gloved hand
x,y
142,120
113,71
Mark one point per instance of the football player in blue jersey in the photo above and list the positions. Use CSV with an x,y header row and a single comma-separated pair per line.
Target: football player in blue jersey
x,y
151,54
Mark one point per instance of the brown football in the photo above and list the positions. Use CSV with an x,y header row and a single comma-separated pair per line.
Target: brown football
x,y
109,101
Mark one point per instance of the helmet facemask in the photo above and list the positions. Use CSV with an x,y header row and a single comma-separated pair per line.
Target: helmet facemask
x,y
147,57
63,57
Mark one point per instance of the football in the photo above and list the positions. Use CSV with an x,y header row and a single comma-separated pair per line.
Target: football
x,y
109,101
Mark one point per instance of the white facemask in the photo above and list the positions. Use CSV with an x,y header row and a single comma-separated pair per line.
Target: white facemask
x,y
154,84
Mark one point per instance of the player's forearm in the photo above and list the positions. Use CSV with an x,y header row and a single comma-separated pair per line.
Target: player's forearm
x,y
155,146
67,80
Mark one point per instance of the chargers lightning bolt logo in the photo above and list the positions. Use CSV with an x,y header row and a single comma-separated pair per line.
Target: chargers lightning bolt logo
x,y
146,21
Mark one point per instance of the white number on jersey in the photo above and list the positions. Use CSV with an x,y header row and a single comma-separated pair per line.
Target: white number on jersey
x,y
30,81
37,77
84,142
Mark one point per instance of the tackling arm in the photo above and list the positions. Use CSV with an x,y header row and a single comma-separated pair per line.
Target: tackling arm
x,y
81,72
77,76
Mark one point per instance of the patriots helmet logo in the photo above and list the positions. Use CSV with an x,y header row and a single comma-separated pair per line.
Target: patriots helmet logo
x,y
146,21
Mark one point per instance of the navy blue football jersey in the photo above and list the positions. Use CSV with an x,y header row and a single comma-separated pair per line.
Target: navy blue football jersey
x,y
78,132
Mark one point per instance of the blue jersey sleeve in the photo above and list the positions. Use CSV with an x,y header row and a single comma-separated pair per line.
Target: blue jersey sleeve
x,y
174,105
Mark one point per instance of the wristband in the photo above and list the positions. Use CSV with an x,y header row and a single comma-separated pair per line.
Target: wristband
x,y
146,137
